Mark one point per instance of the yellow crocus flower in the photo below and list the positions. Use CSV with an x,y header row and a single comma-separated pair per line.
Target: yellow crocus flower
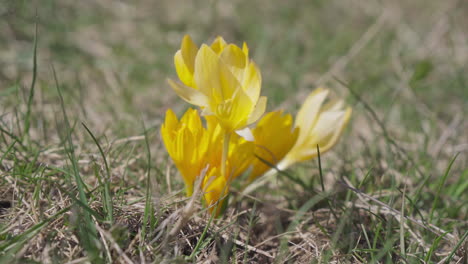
x,y
194,148
319,124
220,79
187,142
274,136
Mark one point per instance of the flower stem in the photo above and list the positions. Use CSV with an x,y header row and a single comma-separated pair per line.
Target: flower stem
x,y
227,136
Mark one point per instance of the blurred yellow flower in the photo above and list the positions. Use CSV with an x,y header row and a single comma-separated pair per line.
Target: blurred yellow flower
x,y
274,136
319,124
222,80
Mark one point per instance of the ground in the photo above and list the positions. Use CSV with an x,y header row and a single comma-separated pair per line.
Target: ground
x,y
85,177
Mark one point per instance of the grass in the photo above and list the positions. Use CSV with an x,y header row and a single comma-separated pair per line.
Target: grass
x,y
84,176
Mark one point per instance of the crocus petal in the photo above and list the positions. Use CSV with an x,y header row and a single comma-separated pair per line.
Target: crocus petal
x,y
252,81
218,45
258,110
326,143
189,51
215,189
206,74
184,61
246,133
327,122
182,70
245,49
334,105
229,83
192,120
320,124
190,95
307,114
274,137
171,121
241,154
234,58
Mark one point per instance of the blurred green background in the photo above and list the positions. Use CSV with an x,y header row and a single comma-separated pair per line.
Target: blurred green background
x,y
115,56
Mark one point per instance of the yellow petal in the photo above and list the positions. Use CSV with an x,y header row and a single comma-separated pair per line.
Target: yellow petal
x,y
234,58
246,133
245,49
258,110
274,137
326,134
207,69
185,75
241,154
333,105
215,190
229,83
323,127
218,45
190,95
252,81
170,122
189,51
184,61
307,115
192,120
327,122
328,142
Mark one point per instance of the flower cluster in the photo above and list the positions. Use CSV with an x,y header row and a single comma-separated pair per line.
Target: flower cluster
x,y
237,136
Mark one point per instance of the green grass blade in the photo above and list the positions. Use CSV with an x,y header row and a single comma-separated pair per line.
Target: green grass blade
x,y
439,188
457,246
107,196
433,247
148,213
13,136
201,240
7,151
86,228
319,160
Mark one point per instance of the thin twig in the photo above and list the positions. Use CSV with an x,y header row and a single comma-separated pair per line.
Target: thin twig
x,y
248,247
